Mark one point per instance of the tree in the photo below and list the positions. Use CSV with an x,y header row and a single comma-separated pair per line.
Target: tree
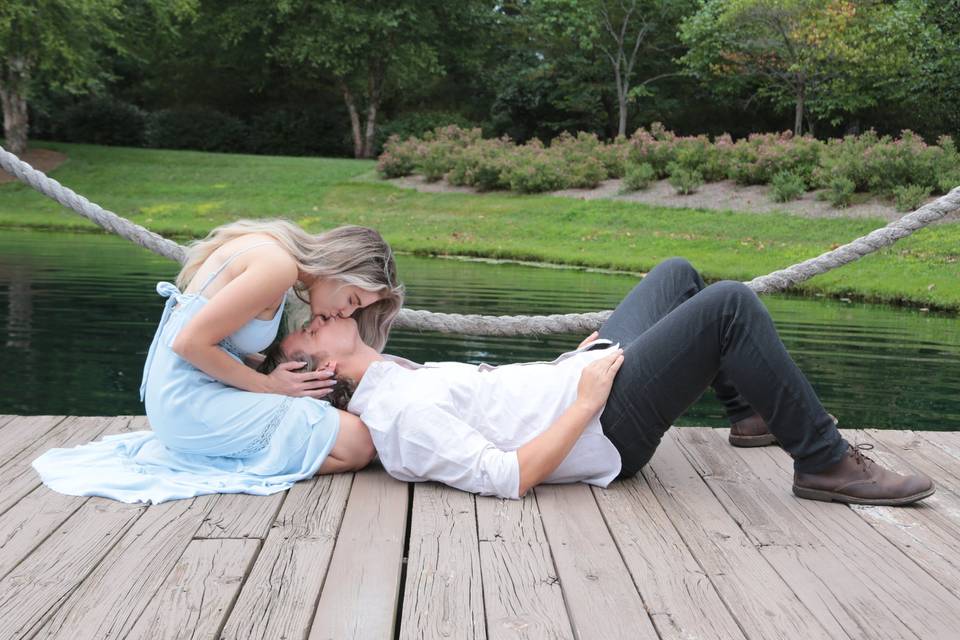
x,y
60,43
824,57
624,33
368,47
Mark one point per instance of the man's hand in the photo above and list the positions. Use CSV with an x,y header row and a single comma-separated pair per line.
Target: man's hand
x,y
590,338
597,379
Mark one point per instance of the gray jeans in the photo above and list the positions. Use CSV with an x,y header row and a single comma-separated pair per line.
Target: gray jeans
x,y
680,337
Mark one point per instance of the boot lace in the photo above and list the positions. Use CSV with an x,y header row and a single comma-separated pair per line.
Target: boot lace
x,y
858,457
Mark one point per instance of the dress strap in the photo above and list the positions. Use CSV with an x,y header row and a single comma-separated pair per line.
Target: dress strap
x,y
172,294
223,266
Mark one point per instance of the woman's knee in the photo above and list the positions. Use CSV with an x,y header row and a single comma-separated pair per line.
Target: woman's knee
x,y
354,446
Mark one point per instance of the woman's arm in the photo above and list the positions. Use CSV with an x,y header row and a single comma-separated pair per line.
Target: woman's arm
x,y
541,456
261,284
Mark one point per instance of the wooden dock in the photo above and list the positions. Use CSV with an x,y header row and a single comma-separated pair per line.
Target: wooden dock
x,y
708,543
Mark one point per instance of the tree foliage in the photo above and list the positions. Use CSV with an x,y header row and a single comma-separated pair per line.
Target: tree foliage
x,y
826,58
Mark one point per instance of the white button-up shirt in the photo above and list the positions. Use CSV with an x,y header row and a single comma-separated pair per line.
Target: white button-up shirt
x,y
461,424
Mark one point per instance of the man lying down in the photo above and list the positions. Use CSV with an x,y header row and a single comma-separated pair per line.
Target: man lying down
x,y
598,413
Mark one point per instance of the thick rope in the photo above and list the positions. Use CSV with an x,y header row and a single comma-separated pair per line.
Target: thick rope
x,y
95,213
502,325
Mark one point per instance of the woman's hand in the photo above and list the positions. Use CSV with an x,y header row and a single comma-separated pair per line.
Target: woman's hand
x,y
590,338
597,379
286,380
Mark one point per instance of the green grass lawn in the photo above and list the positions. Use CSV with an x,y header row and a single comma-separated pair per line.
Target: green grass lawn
x,y
185,193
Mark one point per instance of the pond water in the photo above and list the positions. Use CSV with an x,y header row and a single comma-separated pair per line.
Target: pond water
x,y
77,313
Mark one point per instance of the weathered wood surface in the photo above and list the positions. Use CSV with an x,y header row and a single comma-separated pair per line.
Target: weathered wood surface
x,y
708,542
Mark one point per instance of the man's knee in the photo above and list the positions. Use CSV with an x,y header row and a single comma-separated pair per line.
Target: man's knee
x,y
679,267
729,293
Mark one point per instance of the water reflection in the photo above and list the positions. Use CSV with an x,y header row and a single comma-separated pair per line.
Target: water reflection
x,y
78,313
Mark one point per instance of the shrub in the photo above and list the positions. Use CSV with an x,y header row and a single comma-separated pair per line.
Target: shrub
x,y
298,132
839,191
761,156
882,164
787,186
638,177
532,169
441,149
196,128
700,155
655,147
614,157
481,165
684,180
583,168
399,157
910,197
417,124
104,121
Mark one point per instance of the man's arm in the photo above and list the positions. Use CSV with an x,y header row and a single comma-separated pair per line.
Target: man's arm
x,y
541,456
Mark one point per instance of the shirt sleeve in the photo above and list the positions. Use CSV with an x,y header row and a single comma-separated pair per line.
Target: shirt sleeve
x,y
426,441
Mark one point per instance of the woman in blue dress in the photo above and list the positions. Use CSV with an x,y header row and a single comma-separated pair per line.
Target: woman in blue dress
x,y
217,424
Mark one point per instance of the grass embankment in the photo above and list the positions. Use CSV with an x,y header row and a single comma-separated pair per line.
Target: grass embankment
x,y
182,193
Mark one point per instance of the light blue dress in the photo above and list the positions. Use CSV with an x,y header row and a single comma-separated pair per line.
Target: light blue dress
x,y
206,437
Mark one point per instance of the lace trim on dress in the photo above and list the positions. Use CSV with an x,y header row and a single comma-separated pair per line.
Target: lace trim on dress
x,y
230,346
263,438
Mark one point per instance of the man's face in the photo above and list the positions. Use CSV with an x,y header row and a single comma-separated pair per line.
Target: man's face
x,y
336,338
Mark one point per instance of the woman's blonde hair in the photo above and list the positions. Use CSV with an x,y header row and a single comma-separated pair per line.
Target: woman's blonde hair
x,y
354,255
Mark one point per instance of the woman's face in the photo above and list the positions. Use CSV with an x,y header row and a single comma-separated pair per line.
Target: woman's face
x,y
330,298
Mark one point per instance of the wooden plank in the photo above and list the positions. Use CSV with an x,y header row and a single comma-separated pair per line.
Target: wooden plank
x,y
930,532
602,600
23,431
17,478
521,589
31,520
279,597
443,597
681,600
197,594
240,515
947,456
764,605
109,601
6,419
837,560
362,588
35,589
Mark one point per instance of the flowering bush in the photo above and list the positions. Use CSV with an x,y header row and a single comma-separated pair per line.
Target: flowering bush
x,y
685,181
656,147
638,177
910,197
761,156
399,157
533,169
790,164
787,186
442,146
481,165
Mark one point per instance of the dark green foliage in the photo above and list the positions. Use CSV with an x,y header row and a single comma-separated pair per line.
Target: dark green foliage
x,y
910,197
297,132
787,186
638,177
103,120
839,191
196,128
685,181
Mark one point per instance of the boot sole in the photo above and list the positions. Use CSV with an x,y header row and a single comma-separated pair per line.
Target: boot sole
x,y
830,496
752,441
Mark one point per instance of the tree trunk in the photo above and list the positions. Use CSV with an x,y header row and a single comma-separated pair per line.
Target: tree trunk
x,y
16,124
354,120
798,114
374,82
621,102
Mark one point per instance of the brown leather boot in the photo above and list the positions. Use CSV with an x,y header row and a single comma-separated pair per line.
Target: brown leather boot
x,y
859,480
750,432
753,432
